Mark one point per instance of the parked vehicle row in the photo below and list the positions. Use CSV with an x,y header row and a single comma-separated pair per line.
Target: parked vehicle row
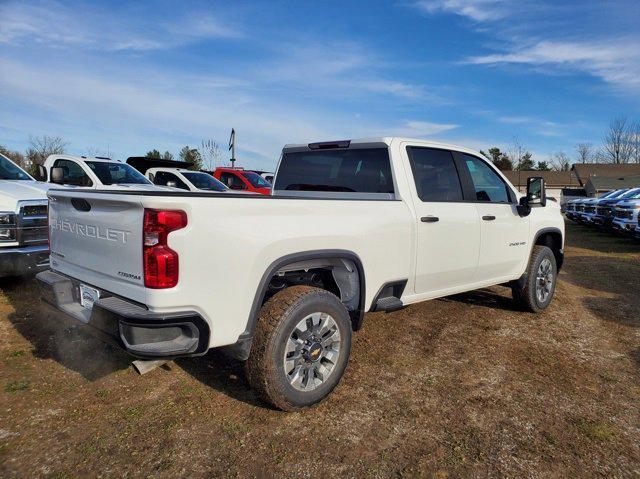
x,y
24,245
616,211
350,227
24,242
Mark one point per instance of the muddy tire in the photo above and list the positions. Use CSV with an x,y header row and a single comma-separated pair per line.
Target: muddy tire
x,y
539,286
300,348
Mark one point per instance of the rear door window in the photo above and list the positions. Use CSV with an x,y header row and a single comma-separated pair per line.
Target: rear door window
x,y
364,170
435,174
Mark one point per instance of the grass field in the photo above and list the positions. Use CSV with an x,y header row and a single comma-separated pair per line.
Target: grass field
x,y
458,387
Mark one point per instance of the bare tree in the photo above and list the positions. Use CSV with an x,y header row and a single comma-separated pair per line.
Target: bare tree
x,y
43,146
519,156
211,155
15,156
585,152
634,142
94,151
515,152
560,161
616,145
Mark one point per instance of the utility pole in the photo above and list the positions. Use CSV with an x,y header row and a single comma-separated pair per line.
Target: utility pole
x,y
232,147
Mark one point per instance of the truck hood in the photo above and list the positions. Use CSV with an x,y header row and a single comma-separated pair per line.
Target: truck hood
x,y
12,191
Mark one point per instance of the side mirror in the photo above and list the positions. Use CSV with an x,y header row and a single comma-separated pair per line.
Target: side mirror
x,y
172,184
536,193
40,174
57,175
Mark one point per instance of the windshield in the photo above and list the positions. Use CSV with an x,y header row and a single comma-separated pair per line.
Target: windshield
x,y
616,193
256,180
116,173
635,194
9,171
203,181
631,193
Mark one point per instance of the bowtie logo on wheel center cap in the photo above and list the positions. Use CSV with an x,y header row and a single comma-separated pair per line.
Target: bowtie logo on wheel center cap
x,y
314,351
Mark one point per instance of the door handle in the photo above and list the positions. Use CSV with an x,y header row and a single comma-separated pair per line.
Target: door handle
x,y
429,219
488,217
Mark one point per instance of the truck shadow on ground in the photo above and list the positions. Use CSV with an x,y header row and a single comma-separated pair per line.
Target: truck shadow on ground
x,y
53,338
487,298
223,374
608,300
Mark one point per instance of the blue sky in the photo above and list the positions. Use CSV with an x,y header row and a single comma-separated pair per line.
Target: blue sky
x,y
124,77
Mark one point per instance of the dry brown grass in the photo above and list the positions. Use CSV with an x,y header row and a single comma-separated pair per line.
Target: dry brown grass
x,y
464,386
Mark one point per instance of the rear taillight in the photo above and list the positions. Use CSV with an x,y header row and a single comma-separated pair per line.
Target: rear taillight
x,y
160,262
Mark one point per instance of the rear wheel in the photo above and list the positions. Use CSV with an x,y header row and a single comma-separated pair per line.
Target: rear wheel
x,y
537,291
300,349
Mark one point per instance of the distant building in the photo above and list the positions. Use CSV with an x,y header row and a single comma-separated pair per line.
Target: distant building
x,y
597,185
590,179
584,171
556,181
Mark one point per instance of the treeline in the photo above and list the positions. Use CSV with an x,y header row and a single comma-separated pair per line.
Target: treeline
x,y
620,144
207,157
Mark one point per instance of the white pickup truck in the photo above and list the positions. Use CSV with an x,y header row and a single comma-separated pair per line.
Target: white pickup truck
x,y
184,179
24,241
281,281
89,172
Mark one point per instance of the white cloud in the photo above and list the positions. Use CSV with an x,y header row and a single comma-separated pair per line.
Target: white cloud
x,y
477,10
424,128
49,23
616,61
163,110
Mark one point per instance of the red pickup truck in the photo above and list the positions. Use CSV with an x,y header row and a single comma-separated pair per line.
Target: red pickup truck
x,y
241,179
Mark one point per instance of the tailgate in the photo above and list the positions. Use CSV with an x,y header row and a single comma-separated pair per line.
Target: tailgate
x,y
97,238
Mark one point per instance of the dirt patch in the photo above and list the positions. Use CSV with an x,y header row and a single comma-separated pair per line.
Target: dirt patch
x,y
458,387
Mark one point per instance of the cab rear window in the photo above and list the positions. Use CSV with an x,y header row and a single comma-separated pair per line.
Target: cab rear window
x,y
365,170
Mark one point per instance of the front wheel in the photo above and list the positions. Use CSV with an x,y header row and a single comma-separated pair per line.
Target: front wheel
x,y
300,349
537,291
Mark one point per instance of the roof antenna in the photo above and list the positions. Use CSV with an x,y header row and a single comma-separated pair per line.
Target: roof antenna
x,y
232,147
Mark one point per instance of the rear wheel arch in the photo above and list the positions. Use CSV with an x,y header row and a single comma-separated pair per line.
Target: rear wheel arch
x,y
298,259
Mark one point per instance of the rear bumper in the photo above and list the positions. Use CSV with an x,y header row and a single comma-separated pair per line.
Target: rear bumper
x,y
17,261
128,325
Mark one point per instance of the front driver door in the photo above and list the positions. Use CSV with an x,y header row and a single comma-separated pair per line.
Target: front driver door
x,y
504,234
448,230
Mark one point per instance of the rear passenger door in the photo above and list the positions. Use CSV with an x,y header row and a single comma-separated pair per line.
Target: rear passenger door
x,y
504,234
448,229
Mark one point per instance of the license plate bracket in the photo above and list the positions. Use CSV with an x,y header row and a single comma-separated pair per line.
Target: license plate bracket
x,y
88,296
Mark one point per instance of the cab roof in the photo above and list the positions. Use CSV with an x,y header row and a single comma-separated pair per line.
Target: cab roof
x,y
100,159
373,142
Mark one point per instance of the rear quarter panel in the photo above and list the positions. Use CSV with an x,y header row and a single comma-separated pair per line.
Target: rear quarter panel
x,y
230,242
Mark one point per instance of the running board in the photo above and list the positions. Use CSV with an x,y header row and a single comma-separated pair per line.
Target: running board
x,y
388,304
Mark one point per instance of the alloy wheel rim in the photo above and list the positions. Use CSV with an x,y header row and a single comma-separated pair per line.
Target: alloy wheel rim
x,y
312,351
544,280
